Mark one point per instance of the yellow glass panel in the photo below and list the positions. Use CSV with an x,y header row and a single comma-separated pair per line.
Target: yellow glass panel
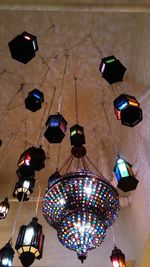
x,y
26,248
133,103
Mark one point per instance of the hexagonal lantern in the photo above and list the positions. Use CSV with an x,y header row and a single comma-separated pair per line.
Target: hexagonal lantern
x,y
77,136
124,175
6,255
23,47
56,127
117,258
30,242
4,207
127,110
33,157
112,69
34,100
24,188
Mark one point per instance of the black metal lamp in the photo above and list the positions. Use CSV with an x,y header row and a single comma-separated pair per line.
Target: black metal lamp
x,y
117,258
30,242
127,110
6,255
4,207
33,157
25,171
125,176
77,136
24,188
34,100
112,69
23,47
56,127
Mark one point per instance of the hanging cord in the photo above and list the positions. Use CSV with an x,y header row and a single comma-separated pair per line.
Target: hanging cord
x,y
62,85
66,162
85,165
69,164
37,142
58,158
76,99
46,30
17,216
89,160
95,44
113,235
38,200
25,130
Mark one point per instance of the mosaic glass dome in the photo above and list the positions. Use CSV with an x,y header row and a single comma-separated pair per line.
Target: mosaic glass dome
x,y
80,206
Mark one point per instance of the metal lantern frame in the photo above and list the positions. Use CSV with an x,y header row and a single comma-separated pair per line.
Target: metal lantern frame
x,y
6,255
117,258
4,208
24,188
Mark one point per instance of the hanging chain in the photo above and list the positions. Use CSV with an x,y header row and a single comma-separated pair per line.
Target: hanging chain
x,y
58,158
76,99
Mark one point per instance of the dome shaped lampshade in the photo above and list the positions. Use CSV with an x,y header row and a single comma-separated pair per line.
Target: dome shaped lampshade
x,y
6,255
117,258
112,69
33,157
23,47
4,207
77,136
56,127
127,110
34,100
24,188
124,175
30,242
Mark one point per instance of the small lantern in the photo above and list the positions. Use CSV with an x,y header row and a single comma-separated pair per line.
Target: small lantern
x,y
53,178
25,171
77,137
23,47
33,157
117,258
125,176
56,128
4,207
30,242
6,255
127,110
112,70
24,188
34,100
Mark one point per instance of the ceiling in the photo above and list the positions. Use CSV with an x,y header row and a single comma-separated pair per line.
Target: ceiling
x,y
67,34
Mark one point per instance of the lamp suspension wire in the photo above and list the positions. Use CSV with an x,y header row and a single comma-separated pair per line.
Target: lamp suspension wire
x,y
38,200
62,85
66,161
17,216
113,235
58,157
76,99
38,139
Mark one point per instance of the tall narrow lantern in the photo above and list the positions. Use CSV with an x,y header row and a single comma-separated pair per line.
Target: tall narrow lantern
x,y
77,136
30,242
24,188
4,207
125,176
117,258
6,255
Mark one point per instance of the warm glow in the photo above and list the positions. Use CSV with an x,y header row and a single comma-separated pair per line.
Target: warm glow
x,y
133,103
116,263
26,184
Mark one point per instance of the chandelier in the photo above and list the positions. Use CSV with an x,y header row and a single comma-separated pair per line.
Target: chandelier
x,y
80,205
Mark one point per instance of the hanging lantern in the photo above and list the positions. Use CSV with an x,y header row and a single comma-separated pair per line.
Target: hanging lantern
x,y
127,110
25,172
6,255
112,69
30,242
77,136
4,207
53,178
0,142
117,258
34,100
56,127
125,176
24,188
33,157
23,47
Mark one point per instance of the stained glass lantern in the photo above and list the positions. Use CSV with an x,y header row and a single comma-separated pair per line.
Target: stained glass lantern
x,y
30,242
4,207
34,100
24,188
33,157
23,47
127,110
6,255
56,127
117,258
77,136
80,206
125,176
112,69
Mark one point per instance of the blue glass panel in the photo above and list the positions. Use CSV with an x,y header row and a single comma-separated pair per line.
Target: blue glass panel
x,y
36,95
117,173
123,170
54,122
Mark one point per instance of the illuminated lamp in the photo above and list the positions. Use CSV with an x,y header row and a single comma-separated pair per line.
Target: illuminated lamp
x,y
24,188
4,207
77,137
117,258
124,175
56,127
33,157
6,255
34,100
127,110
112,69
23,47
30,242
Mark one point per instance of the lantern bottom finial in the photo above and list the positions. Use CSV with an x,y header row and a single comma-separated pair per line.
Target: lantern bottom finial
x,y
27,258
